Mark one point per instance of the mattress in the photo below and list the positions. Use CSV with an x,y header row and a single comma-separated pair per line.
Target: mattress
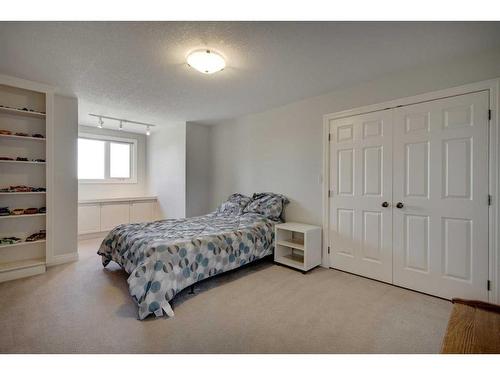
x,y
164,257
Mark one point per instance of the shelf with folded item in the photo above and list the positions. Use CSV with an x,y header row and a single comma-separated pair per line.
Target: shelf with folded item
x,y
23,162
22,112
22,137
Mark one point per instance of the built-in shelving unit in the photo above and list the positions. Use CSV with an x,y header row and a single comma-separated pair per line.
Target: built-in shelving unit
x,y
24,258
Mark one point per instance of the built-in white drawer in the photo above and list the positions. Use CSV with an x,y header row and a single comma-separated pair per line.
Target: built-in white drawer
x,y
113,214
89,218
141,212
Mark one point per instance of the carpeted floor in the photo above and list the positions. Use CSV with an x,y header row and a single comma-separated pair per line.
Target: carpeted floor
x,y
265,308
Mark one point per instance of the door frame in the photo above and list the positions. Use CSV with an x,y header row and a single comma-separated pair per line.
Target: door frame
x,y
493,86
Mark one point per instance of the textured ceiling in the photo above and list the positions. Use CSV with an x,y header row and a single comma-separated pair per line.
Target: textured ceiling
x,y
137,70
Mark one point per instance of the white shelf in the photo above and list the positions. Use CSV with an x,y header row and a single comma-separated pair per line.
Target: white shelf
x,y
12,136
114,200
292,243
292,260
298,245
25,259
19,216
23,193
21,112
13,266
23,162
23,243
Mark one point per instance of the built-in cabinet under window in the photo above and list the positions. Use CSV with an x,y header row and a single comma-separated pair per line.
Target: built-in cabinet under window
x,y
102,215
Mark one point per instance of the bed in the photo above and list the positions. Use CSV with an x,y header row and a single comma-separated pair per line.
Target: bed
x,y
164,257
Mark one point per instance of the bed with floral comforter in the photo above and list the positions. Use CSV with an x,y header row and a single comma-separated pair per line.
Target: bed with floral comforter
x,y
166,256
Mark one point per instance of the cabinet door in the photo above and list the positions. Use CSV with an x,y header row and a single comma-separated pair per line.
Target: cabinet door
x,y
114,214
89,218
361,180
141,212
441,185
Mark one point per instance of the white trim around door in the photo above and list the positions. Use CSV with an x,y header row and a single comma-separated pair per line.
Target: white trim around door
x,y
492,86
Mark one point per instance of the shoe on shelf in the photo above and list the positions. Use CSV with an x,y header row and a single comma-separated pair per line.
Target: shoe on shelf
x,y
17,211
36,236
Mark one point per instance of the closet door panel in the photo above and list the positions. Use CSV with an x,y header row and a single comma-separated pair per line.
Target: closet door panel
x,y
361,180
441,180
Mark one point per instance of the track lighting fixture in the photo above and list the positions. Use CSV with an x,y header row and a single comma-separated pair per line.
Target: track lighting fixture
x,y
100,122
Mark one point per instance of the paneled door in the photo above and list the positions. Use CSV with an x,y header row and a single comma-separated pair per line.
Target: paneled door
x,y
440,203
361,194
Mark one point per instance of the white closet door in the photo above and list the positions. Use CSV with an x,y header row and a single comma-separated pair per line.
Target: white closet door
x,y
361,181
441,182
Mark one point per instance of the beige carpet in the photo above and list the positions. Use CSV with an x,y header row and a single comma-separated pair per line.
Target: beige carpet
x,y
83,308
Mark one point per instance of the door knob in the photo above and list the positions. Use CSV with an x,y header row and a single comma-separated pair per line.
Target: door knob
x,y
400,205
385,204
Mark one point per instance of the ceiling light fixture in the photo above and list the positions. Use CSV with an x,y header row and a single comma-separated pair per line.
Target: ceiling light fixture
x,y
121,121
206,61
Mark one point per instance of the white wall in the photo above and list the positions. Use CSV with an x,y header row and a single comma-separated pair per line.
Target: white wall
x,y
97,191
65,183
197,169
280,150
166,159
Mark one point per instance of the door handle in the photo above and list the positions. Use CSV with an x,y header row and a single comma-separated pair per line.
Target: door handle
x,y
385,204
400,205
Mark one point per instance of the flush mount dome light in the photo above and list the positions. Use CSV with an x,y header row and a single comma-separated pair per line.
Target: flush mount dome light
x,y
206,61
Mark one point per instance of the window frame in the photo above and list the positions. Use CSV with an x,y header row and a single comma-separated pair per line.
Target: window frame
x,y
133,159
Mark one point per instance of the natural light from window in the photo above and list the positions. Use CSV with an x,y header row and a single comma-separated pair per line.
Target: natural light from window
x,y
91,159
119,160
106,159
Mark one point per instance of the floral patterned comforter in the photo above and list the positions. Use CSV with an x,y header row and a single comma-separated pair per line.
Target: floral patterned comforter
x,y
164,257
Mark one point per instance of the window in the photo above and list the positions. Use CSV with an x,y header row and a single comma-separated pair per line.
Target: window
x,y
105,159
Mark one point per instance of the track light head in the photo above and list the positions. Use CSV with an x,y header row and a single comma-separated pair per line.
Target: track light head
x,y
121,125
100,123
148,132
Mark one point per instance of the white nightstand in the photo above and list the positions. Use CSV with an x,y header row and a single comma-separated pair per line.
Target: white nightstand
x,y
298,245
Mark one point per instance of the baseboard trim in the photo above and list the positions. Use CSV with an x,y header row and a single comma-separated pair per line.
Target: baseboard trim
x,y
64,258
89,236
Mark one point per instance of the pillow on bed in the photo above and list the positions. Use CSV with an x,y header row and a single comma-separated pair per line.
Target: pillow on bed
x,y
268,204
234,205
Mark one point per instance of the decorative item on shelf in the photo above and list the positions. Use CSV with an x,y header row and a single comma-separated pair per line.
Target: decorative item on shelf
x,y
5,132
5,158
19,158
22,189
4,211
30,211
39,160
37,135
42,210
9,240
21,134
37,236
17,211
